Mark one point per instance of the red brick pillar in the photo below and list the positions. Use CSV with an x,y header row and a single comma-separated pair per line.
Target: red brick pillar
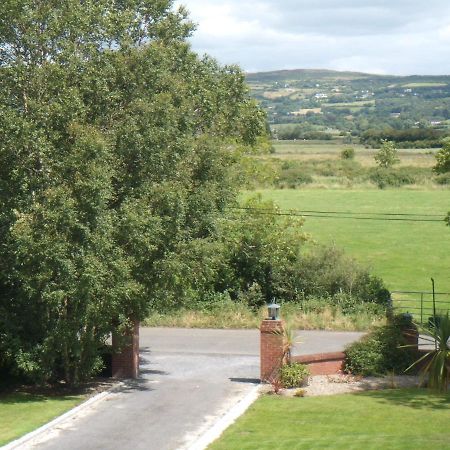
x,y
125,358
272,348
411,336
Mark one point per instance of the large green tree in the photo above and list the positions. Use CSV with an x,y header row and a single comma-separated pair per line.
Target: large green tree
x,y
117,143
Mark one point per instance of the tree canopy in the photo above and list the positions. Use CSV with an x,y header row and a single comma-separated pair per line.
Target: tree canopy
x,y
117,144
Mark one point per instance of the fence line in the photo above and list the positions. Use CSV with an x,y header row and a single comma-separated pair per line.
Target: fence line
x,y
421,303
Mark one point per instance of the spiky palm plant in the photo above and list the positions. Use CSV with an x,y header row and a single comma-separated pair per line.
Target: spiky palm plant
x,y
437,361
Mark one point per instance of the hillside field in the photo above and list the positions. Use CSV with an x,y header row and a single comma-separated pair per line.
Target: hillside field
x,y
405,254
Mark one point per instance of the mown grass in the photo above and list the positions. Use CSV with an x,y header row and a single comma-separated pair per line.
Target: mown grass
x,y
391,419
405,254
21,413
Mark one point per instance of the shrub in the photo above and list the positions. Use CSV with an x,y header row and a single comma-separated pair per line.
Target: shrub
x,y
294,375
294,177
386,177
379,353
443,178
387,155
294,174
327,272
348,153
443,158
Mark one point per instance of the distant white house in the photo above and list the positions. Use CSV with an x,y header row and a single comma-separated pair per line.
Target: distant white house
x,y
321,95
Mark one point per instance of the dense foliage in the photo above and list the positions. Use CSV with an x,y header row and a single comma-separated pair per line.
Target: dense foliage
x,y
386,157
293,375
443,158
293,174
255,256
381,351
116,144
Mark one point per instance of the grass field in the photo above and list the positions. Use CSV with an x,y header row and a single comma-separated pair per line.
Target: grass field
x,y
307,150
21,413
390,419
404,254
419,85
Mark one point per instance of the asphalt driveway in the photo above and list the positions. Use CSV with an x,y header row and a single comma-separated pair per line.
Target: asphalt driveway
x,y
188,379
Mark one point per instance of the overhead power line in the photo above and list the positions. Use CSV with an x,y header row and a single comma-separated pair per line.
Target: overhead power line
x,y
345,215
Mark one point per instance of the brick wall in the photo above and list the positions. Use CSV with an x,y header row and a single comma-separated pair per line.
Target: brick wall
x,y
322,363
271,348
125,358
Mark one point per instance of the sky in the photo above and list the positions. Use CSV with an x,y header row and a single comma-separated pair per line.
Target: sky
x,y
398,37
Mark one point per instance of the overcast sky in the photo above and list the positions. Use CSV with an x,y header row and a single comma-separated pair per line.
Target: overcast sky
x,y
378,36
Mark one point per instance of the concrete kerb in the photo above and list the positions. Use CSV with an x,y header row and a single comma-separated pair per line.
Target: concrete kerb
x,y
60,419
224,422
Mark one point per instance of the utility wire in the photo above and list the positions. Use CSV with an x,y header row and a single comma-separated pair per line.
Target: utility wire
x,y
334,215
338,212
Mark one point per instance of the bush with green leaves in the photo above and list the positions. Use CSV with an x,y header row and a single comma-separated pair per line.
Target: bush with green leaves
x,y
379,352
255,257
387,155
443,178
443,158
389,177
294,375
348,153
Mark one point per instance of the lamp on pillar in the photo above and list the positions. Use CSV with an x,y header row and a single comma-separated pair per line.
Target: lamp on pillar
x,y
273,311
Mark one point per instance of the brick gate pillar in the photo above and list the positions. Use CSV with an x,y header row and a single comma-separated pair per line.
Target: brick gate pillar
x,y
272,348
125,358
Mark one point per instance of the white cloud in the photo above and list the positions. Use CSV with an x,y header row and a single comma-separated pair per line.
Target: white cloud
x,y
383,36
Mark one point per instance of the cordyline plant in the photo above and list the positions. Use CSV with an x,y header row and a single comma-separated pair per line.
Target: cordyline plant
x,y
437,361
288,335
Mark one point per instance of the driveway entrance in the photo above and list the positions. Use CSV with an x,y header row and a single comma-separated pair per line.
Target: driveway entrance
x,y
188,379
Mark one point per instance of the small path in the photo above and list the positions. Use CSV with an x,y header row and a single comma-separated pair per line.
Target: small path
x,y
189,379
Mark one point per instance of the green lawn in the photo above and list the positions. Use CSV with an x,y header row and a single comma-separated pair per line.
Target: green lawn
x,y
21,413
388,419
404,254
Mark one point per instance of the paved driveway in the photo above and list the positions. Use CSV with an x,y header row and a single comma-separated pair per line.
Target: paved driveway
x,y
189,378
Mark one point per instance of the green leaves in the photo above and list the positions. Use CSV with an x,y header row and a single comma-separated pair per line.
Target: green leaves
x,y
387,155
443,158
117,147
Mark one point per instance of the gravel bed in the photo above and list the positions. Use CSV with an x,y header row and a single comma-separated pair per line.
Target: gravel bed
x,y
341,384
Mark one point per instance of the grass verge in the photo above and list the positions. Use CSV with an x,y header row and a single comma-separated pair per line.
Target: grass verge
x,y
237,315
22,412
392,419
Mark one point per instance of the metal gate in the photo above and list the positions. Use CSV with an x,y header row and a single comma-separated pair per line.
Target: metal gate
x,y
420,304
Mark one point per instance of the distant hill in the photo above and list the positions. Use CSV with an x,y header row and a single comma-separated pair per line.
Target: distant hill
x,y
322,74
304,74
351,103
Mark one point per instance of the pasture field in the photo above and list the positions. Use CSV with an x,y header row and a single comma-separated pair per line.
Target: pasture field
x,y
405,254
362,103
419,85
319,150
